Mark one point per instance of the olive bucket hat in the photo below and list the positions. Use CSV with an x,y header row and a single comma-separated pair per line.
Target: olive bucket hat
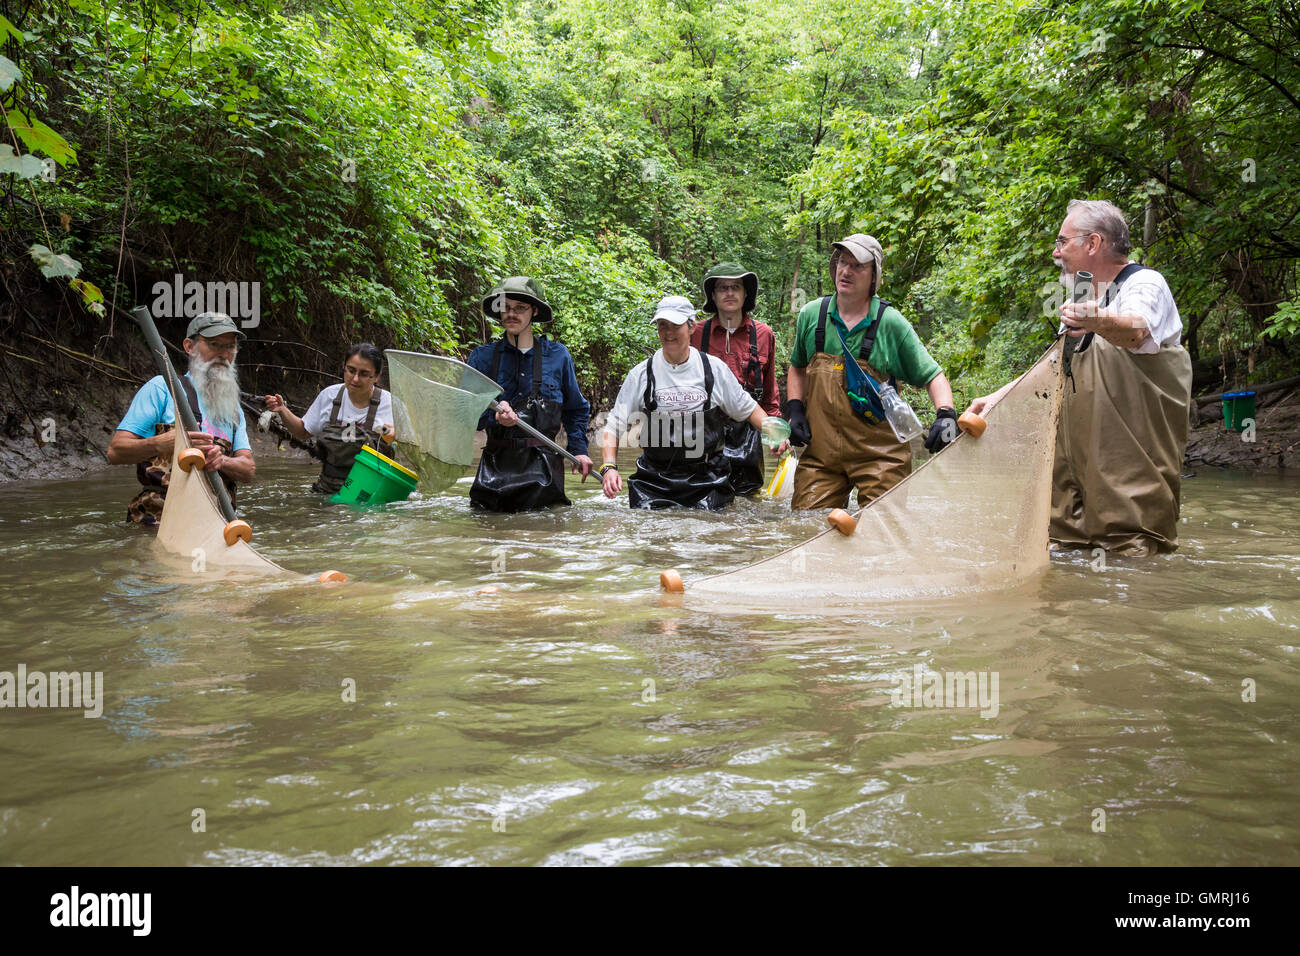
x,y
730,270
517,287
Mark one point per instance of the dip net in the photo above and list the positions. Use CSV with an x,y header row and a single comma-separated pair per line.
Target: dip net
x,y
972,518
437,402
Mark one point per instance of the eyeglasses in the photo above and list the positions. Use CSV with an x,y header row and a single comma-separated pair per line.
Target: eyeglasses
x,y
231,347
851,265
361,373
1062,240
729,287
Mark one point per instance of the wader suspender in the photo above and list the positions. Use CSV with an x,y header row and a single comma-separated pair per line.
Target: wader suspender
x,y
1082,346
1125,273
868,340
193,396
753,368
651,403
537,364
369,423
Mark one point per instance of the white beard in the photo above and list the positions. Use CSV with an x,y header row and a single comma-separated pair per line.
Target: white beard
x,y
218,387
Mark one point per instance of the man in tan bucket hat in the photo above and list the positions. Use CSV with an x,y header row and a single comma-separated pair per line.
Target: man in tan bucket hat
x,y
848,448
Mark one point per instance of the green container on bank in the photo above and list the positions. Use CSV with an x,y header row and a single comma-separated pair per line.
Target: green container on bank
x,y
375,480
1238,407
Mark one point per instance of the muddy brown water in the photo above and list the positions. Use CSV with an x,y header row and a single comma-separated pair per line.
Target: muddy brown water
x,y
570,717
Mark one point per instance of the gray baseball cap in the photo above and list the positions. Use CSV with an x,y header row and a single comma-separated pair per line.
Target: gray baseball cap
x,y
211,324
863,248
676,309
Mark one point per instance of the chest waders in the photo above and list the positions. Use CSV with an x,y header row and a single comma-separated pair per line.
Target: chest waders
x,y
846,450
742,444
683,461
339,442
146,507
1120,443
516,473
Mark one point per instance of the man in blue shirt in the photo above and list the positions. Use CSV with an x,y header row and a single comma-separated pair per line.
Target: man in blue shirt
x,y
540,387
211,385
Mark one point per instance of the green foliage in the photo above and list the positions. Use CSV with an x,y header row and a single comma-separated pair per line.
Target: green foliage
x,y
385,161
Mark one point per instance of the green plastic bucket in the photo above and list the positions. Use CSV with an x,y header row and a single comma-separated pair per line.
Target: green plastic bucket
x,y
375,480
1238,407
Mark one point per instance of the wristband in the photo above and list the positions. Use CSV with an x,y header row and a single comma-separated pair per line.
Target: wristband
x,y
608,466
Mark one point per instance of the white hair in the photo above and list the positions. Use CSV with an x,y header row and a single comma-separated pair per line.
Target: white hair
x,y
1103,218
218,386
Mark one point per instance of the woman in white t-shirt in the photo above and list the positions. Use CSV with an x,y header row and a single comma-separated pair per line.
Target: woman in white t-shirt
x,y
343,417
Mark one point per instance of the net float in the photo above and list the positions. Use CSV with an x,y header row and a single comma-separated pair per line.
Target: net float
x,y
972,424
842,521
237,530
190,459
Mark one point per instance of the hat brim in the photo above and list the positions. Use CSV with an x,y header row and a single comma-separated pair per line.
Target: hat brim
x,y
213,333
751,291
543,310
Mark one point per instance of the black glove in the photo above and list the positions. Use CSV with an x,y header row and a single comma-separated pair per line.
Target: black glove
x,y
943,431
800,433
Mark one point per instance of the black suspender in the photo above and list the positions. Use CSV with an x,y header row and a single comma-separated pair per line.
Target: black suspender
x,y
868,340
648,398
500,350
373,409
753,368
1124,274
193,398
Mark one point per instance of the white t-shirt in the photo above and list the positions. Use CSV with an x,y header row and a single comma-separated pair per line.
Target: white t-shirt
x,y
679,388
1146,293
318,416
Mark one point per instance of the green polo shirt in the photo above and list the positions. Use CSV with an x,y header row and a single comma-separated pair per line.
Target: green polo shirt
x,y
898,350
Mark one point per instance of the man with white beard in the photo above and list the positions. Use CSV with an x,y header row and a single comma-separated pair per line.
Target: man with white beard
x,y
143,438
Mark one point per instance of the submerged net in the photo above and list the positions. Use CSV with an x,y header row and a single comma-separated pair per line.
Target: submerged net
x,y
437,403
972,518
192,526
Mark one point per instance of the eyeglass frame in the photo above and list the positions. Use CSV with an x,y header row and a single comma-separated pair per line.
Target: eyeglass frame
x,y
855,267
1061,241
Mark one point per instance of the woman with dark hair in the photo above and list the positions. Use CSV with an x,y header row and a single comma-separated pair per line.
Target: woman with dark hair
x,y
343,417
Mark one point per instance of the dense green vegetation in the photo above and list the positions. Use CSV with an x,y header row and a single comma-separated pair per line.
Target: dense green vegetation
x,y
377,164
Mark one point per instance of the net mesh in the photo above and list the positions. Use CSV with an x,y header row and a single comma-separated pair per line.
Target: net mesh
x,y
193,529
972,518
437,402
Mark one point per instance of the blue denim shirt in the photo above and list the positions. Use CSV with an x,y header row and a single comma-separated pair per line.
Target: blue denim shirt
x,y
559,384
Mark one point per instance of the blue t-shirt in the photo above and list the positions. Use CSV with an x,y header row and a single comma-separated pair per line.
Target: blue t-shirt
x,y
153,406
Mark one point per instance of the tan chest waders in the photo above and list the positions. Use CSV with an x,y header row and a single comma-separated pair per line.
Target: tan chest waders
x,y
846,450
1120,444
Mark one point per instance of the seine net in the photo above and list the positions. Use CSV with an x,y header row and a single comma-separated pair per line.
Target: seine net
x,y
193,528
972,518
437,402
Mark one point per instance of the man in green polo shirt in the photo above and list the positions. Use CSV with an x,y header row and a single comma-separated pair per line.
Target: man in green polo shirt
x,y
845,448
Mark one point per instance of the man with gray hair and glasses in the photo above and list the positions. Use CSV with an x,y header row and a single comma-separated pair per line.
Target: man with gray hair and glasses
x,y
1122,433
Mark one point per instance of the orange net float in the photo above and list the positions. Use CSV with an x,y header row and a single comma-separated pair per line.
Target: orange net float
x,y
327,577
972,424
190,459
671,581
842,521
237,530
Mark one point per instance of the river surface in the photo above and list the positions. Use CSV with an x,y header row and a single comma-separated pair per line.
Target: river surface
x,y
572,717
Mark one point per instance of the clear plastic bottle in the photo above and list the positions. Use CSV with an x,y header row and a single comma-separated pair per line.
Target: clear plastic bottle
x,y
899,414
775,430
